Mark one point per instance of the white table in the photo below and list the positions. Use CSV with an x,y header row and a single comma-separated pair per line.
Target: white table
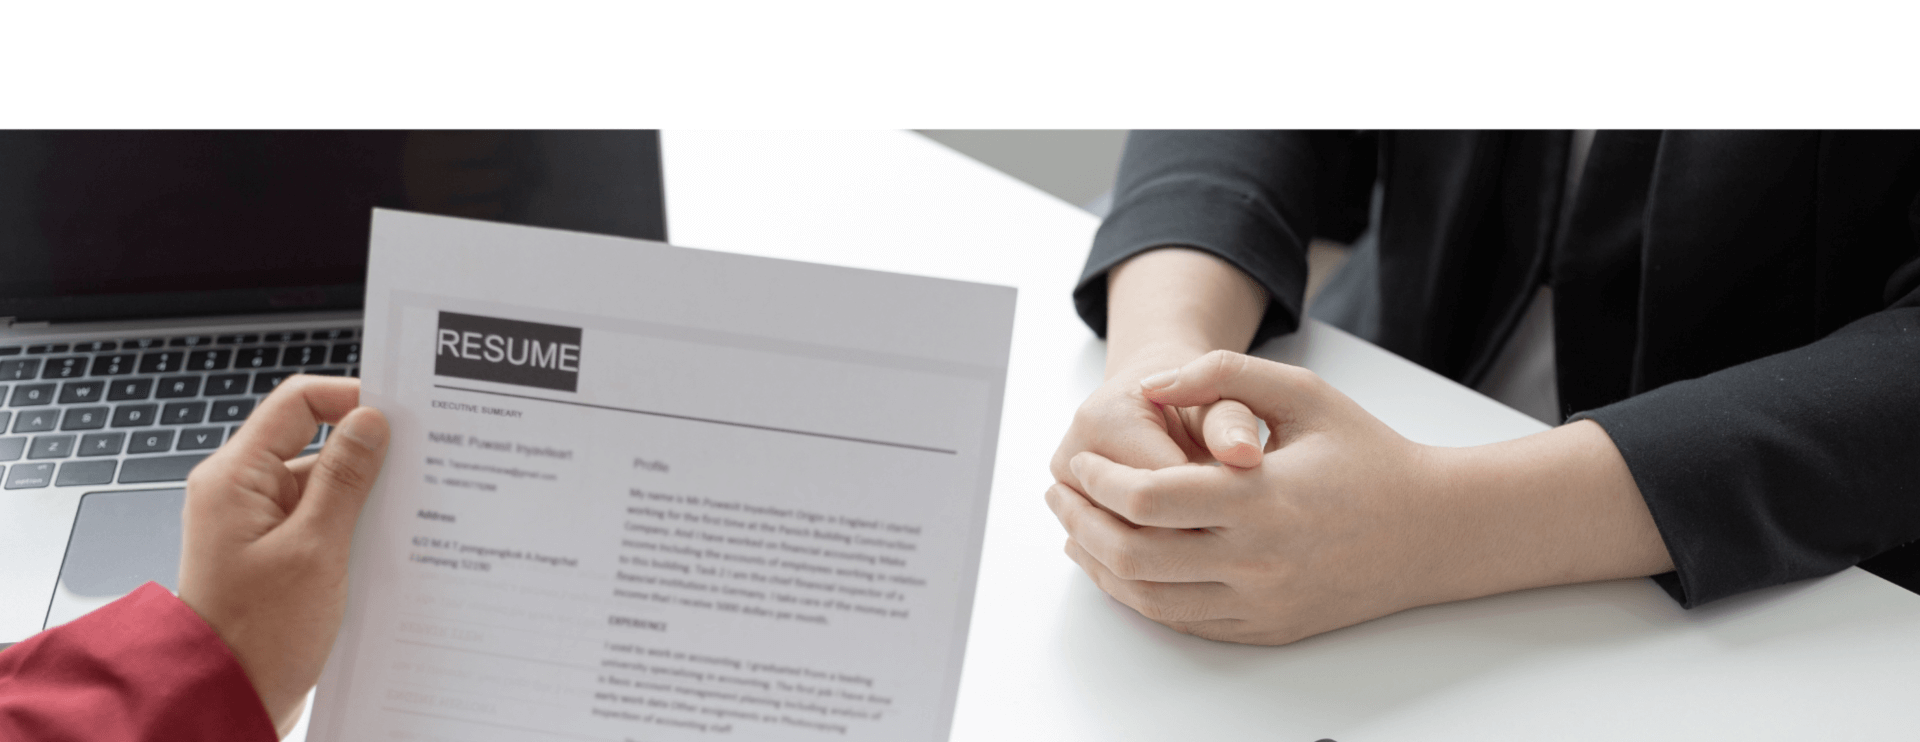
x,y
1052,658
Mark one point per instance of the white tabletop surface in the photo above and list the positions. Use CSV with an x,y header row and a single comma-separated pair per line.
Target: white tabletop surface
x,y
1050,657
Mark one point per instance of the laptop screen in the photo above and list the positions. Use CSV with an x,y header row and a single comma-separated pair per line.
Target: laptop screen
x,y
123,224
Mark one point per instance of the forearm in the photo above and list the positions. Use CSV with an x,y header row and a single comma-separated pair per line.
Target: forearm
x,y
143,667
1791,466
1170,305
1553,508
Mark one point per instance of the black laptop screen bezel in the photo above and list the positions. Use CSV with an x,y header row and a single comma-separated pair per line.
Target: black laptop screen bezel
x,y
161,305
300,298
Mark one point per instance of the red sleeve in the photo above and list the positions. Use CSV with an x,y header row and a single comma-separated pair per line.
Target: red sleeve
x,y
144,667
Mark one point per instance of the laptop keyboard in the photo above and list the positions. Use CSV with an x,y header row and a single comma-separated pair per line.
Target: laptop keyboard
x,y
145,409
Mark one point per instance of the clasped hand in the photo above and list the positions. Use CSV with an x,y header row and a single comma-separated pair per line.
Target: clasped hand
x,y
1172,507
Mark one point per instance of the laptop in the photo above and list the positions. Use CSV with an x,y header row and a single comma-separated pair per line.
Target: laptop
x,y
155,285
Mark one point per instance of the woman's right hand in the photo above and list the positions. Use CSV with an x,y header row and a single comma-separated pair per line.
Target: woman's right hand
x,y
267,532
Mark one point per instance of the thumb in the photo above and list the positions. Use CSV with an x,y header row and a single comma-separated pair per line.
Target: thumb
x,y
343,474
1231,433
1273,391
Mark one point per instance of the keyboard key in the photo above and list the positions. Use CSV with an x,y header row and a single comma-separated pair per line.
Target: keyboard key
x,y
199,439
29,476
65,367
35,421
11,350
237,339
183,413
134,415
102,444
81,392
162,362
6,416
54,348
78,473
345,354
175,387
326,371
50,447
96,346
191,341
114,365
12,448
256,357
29,395
229,410
158,469
284,336
129,389
266,381
304,355
209,360
85,418
223,384
151,441
24,368
344,333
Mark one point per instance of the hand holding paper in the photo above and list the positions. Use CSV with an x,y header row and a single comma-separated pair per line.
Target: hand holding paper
x,y
265,553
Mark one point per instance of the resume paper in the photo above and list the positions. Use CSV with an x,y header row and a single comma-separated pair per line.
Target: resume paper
x,y
642,492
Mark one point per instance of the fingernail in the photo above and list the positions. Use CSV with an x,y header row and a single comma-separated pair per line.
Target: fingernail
x,y
1242,437
1073,465
1160,380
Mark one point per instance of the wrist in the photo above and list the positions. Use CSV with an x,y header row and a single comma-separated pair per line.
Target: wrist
x,y
1470,525
1553,508
1171,305
1142,359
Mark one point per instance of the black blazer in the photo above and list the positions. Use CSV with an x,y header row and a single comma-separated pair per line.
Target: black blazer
x,y
1739,310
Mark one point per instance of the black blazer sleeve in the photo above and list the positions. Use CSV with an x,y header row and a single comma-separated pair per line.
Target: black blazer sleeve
x,y
1253,198
1791,466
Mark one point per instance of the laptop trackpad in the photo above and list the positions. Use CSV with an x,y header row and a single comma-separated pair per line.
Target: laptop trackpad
x,y
120,541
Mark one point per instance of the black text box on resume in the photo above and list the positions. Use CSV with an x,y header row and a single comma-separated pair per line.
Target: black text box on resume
x,y
507,351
